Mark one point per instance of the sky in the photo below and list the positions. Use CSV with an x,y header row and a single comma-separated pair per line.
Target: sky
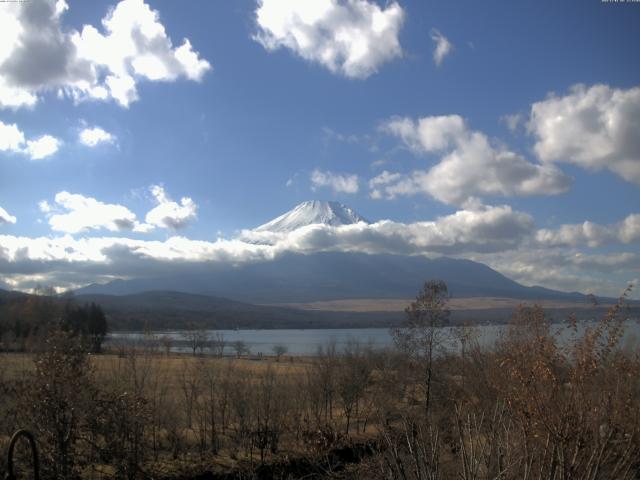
x,y
140,136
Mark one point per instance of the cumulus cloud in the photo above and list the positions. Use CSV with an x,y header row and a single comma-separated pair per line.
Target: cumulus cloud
x,y
69,262
443,46
44,206
596,128
591,234
170,214
349,37
75,213
480,229
470,165
42,147
556,258
5,218
567,270
37,54
12,140
94,136
607,262
340,183
391,185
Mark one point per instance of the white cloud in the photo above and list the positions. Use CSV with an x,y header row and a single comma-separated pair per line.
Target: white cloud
x,y
389,183
65,261
349,37
94,136
42,147
513,121
340,183
480,229
443,46
592,234
5,217
596,128
12,140
470,165
82,214
44,206
75,213
330,134
39,55
567,270
429,134
606,262
170,214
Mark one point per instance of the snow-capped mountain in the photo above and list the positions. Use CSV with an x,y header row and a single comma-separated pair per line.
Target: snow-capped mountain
x,y
308,277
312,212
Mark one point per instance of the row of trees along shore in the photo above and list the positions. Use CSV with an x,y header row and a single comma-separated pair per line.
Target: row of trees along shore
x,y
27,321
526,407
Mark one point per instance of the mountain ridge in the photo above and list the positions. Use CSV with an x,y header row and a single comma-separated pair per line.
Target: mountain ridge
x,y
294,277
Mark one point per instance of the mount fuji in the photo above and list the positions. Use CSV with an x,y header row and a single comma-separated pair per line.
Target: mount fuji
x,y
313,212
296,277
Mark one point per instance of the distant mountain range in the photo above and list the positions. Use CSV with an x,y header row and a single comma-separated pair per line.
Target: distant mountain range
x,y
162,310
170,310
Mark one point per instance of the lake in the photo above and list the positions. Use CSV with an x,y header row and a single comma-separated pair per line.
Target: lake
x,y
307,342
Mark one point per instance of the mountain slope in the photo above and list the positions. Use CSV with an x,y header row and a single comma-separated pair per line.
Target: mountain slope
x,y
9,295
293,277
312,212
336,275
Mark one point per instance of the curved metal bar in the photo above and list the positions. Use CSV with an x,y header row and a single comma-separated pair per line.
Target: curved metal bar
x,y
34,453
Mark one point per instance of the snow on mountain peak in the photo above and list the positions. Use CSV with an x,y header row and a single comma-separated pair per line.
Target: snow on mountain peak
x,y
312,212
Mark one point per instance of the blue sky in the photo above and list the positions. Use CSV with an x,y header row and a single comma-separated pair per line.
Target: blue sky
x,y
500,149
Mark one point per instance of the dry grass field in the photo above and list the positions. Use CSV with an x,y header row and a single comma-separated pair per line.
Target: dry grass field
x,y
398,305
16,365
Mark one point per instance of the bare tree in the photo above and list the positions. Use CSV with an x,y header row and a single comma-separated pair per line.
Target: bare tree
x,y
197,339
190,386
210,374
240,347
322,380
421,333
353,377
217,344
466,335
271,408
166,342
279,350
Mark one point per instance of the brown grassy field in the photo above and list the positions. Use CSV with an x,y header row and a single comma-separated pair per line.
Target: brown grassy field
x,y
17,365
398,305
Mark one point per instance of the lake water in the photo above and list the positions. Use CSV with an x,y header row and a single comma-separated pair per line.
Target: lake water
x,y
307,342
